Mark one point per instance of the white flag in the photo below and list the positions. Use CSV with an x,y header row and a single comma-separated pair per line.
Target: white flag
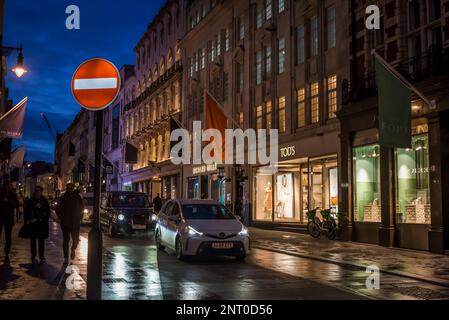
x,y
11,123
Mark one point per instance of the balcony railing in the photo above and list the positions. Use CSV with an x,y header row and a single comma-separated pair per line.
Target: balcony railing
x,y
177,67
434,62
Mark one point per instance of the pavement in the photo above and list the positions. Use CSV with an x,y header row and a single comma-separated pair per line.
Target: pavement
x,y
22,280
420,265
281,265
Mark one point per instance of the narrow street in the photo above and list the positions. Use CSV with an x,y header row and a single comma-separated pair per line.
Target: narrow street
x,y
134,269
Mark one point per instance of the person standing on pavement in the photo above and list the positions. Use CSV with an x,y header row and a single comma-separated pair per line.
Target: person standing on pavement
x,y
157,203
8,204
69,211
37,214
21,206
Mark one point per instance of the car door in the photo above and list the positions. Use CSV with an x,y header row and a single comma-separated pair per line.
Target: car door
x,y
163,220
173,224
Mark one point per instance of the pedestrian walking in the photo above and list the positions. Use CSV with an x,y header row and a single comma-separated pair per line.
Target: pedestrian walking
x,y
69,211
157,203
36,215
21,206
8,203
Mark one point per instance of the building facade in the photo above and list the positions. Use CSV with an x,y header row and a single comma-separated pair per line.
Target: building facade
x,y
397,197
114,130
75,152
157,95
271,65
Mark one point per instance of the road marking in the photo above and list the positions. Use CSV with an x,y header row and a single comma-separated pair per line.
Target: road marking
x,y
95,84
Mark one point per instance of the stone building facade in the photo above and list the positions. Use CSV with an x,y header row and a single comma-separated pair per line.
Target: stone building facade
x,y
271,65
397,197
157,95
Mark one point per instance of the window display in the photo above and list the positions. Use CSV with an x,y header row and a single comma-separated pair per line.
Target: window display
x,y
367,184
263,195
284,196
412,181
299,186
193,188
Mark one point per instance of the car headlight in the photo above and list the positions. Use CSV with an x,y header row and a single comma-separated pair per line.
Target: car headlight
x,y
192,232
153,217
121,217
86,211
244,231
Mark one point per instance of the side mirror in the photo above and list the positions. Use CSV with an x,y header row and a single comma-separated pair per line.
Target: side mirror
x,y
239,218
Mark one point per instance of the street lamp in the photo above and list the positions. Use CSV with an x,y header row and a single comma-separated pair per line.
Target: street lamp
x,y
19,69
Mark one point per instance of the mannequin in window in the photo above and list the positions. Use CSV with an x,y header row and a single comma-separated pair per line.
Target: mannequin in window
x,y
267,203
284,197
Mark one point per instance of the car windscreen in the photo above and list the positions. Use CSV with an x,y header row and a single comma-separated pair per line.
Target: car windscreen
x,y
129,201
206,212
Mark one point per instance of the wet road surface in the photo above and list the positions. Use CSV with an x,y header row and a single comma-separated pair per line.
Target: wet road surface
x,y
135,269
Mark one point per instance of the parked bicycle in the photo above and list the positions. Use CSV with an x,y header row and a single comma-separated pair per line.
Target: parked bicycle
x,y
326,226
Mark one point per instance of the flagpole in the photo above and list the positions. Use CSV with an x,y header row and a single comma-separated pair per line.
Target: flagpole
x,y
431,104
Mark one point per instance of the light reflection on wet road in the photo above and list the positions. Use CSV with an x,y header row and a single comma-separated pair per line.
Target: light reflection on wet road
x,y
134,269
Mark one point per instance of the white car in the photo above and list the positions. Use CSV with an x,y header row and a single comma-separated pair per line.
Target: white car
x,y
201,227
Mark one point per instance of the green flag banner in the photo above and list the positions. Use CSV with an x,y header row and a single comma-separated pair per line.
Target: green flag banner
x,y
394,109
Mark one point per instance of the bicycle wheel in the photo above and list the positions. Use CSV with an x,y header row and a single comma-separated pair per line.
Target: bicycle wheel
x,y
314,229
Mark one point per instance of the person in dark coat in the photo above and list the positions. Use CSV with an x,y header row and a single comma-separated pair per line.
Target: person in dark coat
x,y
37,213
157,203
8,203
69,211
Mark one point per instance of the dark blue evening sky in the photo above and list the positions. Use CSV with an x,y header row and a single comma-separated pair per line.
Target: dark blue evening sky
x,y
109,29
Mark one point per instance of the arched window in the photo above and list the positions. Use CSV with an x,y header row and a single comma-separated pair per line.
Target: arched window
x,y
141,156
177,52
162,66
153,150
167,145
153,111
155,73
160,148
169,59
147,153
150,77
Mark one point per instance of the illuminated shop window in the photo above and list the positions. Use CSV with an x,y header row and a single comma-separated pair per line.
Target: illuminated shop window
x,y
367,184
412,182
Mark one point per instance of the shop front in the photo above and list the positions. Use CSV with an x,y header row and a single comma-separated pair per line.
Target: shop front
x,y
304,180
387,193
205,182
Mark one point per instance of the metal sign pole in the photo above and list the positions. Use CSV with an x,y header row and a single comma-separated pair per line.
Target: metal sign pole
x,y
95,245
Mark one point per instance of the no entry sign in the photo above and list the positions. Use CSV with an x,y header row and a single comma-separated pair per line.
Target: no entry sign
x,y
96,84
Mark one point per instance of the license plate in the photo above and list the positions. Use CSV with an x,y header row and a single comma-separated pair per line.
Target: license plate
x,y
138,227
222,245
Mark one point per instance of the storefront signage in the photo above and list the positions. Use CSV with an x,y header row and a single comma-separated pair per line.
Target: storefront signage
x,y
205,168
288,152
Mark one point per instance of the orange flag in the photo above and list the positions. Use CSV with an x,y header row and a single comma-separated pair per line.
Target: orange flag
x,y
215,119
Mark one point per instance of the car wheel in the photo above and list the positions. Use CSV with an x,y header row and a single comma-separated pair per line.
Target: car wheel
x,y
158,241
178,247
111,230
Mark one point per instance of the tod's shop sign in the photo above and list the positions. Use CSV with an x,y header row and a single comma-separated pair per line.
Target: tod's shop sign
x,y
287,152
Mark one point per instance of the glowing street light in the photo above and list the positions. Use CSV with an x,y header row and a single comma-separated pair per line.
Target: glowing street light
x,y
19,69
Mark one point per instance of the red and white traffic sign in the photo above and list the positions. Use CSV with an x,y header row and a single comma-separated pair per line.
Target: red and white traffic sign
x,y
96,84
